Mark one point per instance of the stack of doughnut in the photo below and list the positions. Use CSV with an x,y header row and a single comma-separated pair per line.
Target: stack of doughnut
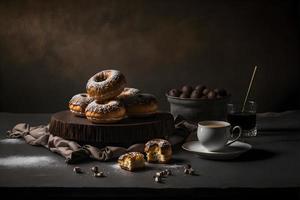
x,y
108,100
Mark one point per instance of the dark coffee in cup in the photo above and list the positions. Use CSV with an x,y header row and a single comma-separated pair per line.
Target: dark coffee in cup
x,y
245,120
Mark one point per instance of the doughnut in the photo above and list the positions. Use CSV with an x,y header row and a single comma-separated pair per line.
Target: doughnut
x,y
158,151
128,92
105,112
106,85
78,103
141,104
132,161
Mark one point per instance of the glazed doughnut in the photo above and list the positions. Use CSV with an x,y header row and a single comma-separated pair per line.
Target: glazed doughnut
x,y
158,150
107,112
106,85
78,103
128,92
141,104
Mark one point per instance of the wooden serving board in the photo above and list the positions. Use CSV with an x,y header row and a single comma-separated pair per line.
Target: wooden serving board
x,y
126,132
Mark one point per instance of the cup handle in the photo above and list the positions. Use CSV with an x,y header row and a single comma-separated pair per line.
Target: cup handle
x,y
239,135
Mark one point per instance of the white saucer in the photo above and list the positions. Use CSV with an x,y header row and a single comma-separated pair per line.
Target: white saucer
x,y
230,152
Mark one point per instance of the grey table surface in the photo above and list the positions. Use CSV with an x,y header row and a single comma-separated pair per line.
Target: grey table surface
x,y
272,164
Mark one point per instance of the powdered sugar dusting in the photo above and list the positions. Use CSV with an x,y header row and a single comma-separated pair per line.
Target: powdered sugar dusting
x,y
128,92
26,161
175,166
107,79
166,166
81,99
106,107
115,166
12,141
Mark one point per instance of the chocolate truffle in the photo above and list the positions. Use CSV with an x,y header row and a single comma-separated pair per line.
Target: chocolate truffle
x,y
203,97
200,87
196,94
222,92
217,90
206,91
219,97
184,95
187,89
211,95
174,93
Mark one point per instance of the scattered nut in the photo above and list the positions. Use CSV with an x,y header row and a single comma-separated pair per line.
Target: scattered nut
x,y
186,171
168,172
159,174
77,170
157,179
95,169
191,171
99,174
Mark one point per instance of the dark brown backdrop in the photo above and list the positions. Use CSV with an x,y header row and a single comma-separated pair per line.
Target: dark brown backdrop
x,y
48,49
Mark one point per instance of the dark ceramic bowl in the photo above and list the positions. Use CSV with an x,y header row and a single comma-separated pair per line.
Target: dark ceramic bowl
x,y
195,110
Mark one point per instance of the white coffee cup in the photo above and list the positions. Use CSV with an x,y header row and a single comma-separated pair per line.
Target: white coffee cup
x,y
215,135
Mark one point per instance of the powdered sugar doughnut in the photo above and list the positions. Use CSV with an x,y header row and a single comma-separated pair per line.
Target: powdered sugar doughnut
x,y
140,105
106,85
128,92
78,103
107,112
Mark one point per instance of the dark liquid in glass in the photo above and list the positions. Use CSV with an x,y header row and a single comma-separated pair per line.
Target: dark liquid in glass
x,y
245,120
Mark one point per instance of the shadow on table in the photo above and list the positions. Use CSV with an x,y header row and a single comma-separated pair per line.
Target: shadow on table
x,y
179,161
255,155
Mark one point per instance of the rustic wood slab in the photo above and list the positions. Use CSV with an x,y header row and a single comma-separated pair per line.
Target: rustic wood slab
x,y
126,132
